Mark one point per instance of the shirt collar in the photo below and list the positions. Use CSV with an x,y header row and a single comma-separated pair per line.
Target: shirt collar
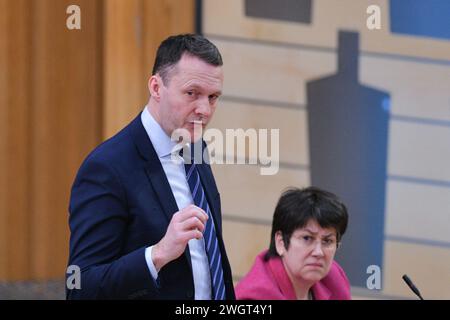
x,y
162,143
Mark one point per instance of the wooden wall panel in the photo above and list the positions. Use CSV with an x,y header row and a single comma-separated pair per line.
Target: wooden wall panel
x,y
50,118
411,153
66,93
14,151
271,73
293,142
418,89
62,92
427,266
242,187
256,238
162,18
133,32
3,138
123,57
411,205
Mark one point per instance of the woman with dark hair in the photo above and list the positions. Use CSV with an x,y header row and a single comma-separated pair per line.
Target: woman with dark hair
x,y
308,225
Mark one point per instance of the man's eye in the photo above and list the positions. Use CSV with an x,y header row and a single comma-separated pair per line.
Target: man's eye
x,y
191,93
307,238
213,97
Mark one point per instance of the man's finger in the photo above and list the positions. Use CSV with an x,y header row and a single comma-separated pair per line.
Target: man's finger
x,y
191,211
193,223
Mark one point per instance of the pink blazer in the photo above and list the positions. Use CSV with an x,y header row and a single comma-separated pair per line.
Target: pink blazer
x,y
268,280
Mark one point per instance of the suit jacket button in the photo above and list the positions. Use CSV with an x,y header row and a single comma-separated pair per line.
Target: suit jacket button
x,y
190,294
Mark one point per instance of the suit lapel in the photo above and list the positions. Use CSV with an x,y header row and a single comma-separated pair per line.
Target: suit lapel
x,y
161,187
153,168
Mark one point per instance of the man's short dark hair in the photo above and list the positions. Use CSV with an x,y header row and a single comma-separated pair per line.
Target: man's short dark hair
x,y
297,207
172,49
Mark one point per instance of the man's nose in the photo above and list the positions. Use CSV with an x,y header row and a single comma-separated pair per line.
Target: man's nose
x,y
203,107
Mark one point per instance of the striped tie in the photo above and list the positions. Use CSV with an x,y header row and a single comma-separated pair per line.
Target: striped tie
x,y
209,235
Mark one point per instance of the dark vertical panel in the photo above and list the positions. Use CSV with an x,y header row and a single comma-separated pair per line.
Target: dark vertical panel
x,y
348,131
198,16
285,10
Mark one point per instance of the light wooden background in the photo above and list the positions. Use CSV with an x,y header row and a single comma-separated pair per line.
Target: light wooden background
x,y
61,93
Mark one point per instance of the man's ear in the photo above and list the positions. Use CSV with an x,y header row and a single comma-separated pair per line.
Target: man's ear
x,y
279,243
154,86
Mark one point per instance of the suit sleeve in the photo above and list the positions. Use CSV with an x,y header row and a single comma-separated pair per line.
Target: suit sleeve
x,y
98,222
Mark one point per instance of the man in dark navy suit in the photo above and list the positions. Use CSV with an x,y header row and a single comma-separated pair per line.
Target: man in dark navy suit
x,y
145,224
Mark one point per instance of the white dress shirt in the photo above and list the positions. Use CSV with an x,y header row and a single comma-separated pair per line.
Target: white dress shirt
x,y
176,175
